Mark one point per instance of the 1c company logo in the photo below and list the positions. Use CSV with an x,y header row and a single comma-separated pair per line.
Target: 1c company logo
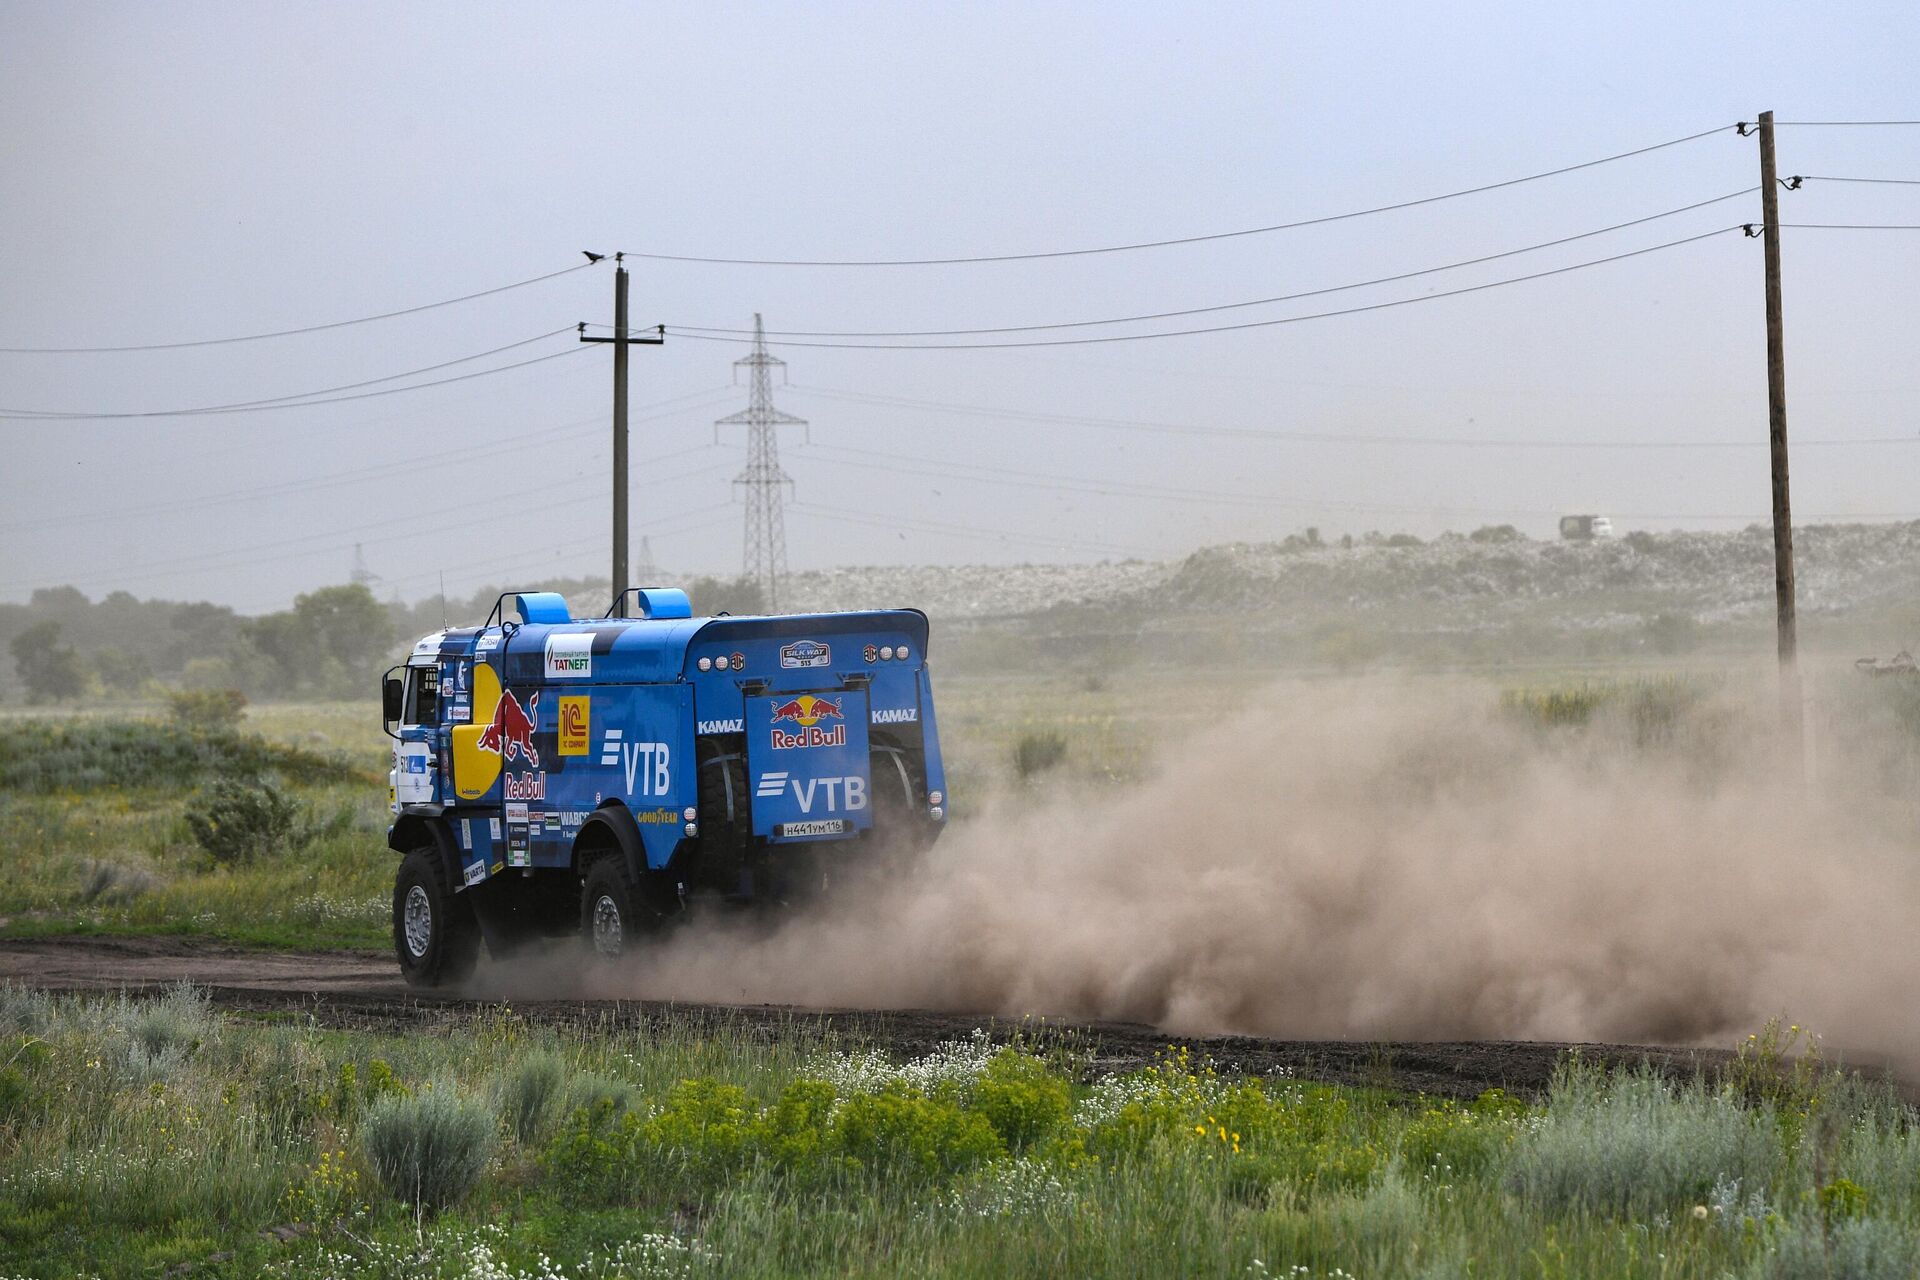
x,y
576,731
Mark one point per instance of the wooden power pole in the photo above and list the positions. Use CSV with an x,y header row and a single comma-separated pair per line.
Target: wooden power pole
x,y
1786,625
621,340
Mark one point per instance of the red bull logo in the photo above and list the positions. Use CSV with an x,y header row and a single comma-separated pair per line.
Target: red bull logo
x,y
807,712
511,733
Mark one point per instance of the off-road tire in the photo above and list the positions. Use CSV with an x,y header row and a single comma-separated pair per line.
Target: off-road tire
x,y
898,797
617,914
435,935
725,829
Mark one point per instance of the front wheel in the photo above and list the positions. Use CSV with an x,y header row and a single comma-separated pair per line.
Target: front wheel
x,y
434,934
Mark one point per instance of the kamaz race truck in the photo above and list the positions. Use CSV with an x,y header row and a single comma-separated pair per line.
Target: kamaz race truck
x,y
554,774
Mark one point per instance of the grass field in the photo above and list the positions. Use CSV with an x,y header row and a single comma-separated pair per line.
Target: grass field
x,y
140,1139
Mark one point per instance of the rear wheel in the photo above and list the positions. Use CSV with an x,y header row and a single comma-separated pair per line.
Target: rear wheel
x,y
898,799
434,934
617,914
725,833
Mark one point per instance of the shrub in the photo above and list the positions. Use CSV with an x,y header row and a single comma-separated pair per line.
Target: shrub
x,y
1633,1144
46,756
237,821
25,1011
1038,752
1021,1099
430,1149
905,1132
182,1020
704,1126
207,710
1857,1249
528,1093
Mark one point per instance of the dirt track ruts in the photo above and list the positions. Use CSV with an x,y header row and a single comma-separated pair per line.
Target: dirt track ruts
x,y
363,990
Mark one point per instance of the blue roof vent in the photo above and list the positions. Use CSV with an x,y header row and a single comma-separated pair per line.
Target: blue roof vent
x,y
662,602
542,606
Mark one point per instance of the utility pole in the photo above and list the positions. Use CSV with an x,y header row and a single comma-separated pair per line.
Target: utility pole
x,y
1786,623
621,340
764,543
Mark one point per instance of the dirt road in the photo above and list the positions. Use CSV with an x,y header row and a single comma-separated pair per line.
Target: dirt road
x,y
363,990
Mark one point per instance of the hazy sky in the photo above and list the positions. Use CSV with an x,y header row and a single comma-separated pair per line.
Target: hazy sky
x,y
183,171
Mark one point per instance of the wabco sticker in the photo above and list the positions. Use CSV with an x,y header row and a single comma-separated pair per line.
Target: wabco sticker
x,y
646,763
570,655
719,726
896,715
806,712
575,731
475,873
805,653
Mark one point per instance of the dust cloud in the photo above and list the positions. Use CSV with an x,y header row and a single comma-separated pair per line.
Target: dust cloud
x,y
1376,859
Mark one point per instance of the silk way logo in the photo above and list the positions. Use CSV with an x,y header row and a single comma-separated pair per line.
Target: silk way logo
x,y
805,653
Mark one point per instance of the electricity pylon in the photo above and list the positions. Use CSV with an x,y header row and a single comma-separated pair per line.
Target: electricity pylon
x,y
764,544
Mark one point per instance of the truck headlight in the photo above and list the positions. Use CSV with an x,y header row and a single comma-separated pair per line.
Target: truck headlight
x,y
693,828
937,813
936,797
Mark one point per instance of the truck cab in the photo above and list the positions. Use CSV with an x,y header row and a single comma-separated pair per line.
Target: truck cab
x,y
554,774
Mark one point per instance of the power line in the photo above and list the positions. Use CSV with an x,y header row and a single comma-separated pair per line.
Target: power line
x,y
1854,226
306,399
288,333
1748,124
1231,306
210,560
1890,182
1318,437
1178,240
1222,328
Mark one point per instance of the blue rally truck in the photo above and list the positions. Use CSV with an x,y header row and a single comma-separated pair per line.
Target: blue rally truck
x,y
554,774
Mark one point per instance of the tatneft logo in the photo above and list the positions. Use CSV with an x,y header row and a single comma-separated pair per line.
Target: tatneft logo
x,y
896,715
570,655
837,795
646,763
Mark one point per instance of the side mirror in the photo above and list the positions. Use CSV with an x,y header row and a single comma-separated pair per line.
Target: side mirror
x,y
392,701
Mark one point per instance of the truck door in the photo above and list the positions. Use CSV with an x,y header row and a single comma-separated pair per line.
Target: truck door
x,y
415,779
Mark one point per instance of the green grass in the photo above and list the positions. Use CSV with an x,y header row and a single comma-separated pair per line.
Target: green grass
x,y
136,1138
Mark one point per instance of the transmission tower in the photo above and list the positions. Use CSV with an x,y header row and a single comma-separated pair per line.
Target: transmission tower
x,y
764,547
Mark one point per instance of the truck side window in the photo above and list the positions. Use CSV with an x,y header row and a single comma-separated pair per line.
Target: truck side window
x,y
423,696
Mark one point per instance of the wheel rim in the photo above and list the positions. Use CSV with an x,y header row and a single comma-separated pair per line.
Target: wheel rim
x,y
608,934
417,921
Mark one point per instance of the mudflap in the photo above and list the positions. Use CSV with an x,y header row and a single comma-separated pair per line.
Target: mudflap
x,y
807,766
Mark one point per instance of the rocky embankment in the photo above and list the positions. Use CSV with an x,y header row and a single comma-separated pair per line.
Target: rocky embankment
x,y
1452,581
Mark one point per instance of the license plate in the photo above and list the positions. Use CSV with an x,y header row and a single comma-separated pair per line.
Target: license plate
x,y
820,827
